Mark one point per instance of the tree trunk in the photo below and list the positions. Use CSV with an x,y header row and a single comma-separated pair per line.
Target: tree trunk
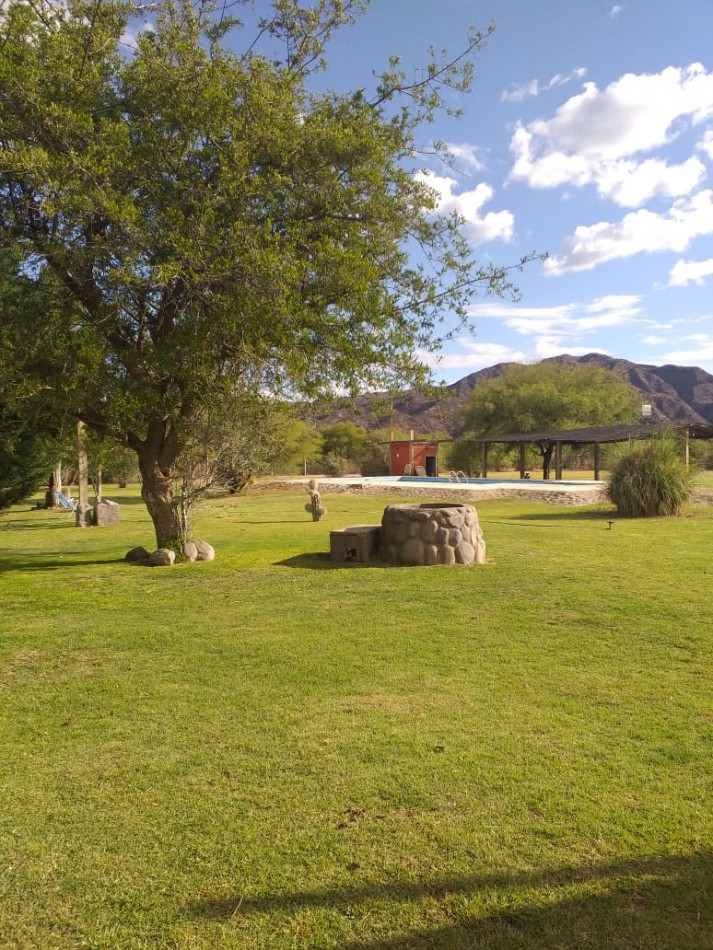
x,y
157,493
57,474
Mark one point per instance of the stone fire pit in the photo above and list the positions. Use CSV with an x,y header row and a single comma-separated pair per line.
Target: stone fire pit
x,y
438,533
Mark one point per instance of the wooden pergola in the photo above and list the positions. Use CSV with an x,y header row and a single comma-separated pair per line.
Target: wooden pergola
x,y
550,443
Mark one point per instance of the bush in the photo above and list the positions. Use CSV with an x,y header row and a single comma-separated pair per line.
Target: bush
x,y
650,479
374,457
335,466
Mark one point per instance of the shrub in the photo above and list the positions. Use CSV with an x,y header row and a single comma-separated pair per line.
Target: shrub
x,y
334,465
650,479
374,457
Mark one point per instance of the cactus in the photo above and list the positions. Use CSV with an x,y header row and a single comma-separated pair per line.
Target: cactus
x,y
314,506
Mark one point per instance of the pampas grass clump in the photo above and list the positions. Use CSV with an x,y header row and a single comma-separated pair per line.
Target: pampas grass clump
x,y
650,479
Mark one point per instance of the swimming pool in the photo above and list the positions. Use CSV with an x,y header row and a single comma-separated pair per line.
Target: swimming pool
x,y
442,480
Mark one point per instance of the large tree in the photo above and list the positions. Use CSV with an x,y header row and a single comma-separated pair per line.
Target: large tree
x,y
547,396
201,222
28,433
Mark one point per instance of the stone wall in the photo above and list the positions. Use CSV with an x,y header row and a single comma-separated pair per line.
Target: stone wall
x,y
431,534
549,496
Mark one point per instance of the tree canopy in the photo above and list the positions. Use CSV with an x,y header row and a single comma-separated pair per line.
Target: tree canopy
x,y
549,395
27,434
201,223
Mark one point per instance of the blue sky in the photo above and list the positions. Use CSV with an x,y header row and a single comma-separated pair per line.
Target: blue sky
x,y
588,135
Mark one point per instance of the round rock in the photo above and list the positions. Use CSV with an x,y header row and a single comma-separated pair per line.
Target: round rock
x,y
137,555
190,551
204,551
163,557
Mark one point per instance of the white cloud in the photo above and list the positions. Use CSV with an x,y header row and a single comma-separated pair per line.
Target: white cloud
x,y
653,340
467,155
615,11
690,272
594,137
632,185
637,232
706,144
130,36
701,353
527,90
554,346
479,228
559,329
473,356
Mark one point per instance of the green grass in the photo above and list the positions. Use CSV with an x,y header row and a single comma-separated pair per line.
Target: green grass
x,y
271,751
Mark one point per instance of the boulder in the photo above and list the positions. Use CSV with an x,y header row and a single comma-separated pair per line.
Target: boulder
x,y
190,551
164,557
137,555
204,551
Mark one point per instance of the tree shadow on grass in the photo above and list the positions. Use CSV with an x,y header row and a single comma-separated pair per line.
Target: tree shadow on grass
x,y
52,561
322,561
276,521
51,523
658,902
568,515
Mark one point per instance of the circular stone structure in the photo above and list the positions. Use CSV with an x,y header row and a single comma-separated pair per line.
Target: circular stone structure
x,y
432,533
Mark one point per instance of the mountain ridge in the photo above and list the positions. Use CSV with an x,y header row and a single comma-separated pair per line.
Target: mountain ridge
x,y
676,394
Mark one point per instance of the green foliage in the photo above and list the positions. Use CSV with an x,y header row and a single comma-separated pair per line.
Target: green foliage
x,y
547,396
197,217
300,443
116,462
345,439
26,459
374,456
334,465
462,456
650,479
28,423
237,438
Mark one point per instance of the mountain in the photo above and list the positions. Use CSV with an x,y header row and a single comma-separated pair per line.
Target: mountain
x,y
676,393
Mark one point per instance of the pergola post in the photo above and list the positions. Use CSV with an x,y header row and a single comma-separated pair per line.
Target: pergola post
x,y
558,461
484,461
522,459
596,461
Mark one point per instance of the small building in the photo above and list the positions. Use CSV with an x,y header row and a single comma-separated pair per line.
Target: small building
x,y
411,457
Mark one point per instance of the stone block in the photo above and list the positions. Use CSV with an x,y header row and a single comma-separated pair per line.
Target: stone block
x,y
358,544
106,514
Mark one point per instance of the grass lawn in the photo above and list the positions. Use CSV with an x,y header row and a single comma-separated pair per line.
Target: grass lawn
x,y
270,751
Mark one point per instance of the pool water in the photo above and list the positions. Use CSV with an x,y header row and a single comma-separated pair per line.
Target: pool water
x,y
424,480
